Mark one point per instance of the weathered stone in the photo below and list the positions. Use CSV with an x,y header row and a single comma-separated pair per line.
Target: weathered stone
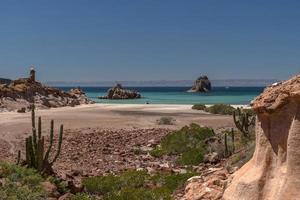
x,y
202,84
118,92
273,173
19,94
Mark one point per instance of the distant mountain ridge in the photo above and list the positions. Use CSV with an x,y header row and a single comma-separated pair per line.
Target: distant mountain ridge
x,y
164,83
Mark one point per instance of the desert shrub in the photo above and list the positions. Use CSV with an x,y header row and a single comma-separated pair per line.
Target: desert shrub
x,y
166,121
187,143
61,186
222,109
193,156
20,183
134,185
172,181
82,196
199,107
188,137
140,193
157,152
101,184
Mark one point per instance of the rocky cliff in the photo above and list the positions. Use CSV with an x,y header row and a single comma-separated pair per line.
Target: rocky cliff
x,y
19,94
118,92
202,84
274,171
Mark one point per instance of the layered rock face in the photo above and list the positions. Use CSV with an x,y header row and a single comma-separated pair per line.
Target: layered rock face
x,y
274,171
118,92
19,94
202,84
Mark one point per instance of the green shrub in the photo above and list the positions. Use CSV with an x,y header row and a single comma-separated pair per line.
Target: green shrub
x,y
157,152
199,107
132,178
166,121
172,181
140,194
134,185
187,143
188,137
101,184
193,156
20,183
220,109
82,196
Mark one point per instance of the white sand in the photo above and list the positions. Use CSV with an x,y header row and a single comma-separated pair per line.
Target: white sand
x,y
14,126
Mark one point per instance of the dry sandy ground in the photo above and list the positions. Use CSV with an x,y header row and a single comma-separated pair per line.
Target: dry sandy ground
x,y
14,126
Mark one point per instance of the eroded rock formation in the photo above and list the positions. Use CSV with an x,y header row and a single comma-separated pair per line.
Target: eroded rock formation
x,y
202,84
118,92
273,173
19,94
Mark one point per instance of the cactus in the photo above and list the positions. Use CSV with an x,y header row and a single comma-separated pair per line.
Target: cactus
x,y
226,145
243,121
35,147
232,140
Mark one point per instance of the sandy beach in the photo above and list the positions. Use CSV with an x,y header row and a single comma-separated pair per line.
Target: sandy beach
x,y
15,126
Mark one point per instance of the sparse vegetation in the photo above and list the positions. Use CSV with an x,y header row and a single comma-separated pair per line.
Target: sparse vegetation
x,y
187,143
222,109
82,196
199,107
20,183
134,185
166,121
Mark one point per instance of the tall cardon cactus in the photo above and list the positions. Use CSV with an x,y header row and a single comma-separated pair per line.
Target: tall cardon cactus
x,y
243,121
36,156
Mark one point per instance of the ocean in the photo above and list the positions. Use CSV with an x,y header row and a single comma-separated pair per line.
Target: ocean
x,y
178,95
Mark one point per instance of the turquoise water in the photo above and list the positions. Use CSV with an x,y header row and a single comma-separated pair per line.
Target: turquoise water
x,y
178,95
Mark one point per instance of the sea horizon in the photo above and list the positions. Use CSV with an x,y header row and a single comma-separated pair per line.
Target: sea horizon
x,y
165,83
178,95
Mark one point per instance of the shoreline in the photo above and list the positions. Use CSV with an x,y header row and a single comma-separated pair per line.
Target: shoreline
x,y
113,106
16,125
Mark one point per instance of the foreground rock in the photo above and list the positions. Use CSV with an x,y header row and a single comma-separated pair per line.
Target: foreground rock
x,y
208,186
94,152
202,84
274,171
20,94
118,92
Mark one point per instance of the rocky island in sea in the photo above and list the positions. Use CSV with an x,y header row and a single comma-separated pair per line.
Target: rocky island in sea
x,y
20,94
118,92
202,84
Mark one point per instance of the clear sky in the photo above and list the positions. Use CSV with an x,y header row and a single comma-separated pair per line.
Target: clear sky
x,y
97,40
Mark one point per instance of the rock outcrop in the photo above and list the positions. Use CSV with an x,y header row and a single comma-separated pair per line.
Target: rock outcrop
x,y
19,94
202,84
118,92
273,173
4,81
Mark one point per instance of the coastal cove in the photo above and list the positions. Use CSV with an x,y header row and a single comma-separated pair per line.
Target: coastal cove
x,y
178,95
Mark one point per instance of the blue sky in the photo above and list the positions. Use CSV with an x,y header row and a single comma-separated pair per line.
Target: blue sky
x,y
96,40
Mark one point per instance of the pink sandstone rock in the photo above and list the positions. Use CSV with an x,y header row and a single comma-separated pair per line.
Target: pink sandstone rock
x,y
273,173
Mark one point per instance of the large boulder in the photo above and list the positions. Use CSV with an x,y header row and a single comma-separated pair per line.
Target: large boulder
x,y
118,92
202,84
273,173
